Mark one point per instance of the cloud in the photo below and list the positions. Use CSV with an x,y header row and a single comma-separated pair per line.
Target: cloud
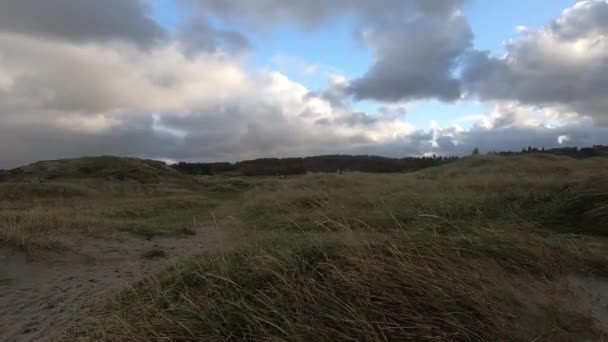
x,y
315,12
42,75
103,84
453,142
563,65
81,21
512,126
416,43
60,99
267,13
585,18
197,35
416,58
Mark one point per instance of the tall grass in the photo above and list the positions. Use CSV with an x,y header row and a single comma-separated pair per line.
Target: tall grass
x,y
37,215
37,230
479,190
384,288
471,251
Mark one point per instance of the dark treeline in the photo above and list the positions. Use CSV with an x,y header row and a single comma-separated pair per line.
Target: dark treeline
x,y
574,152
348,163
332,163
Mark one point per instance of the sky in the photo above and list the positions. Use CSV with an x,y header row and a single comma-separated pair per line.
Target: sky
x,y
227,80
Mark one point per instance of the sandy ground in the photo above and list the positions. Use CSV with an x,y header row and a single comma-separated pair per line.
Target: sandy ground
x,y
595,292
44,294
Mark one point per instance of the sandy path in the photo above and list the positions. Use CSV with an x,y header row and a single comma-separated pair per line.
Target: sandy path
x,y
43,296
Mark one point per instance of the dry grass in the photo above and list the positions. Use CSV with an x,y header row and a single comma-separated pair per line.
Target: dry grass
x,y
384,288
556,193
36,230
477,250
53,214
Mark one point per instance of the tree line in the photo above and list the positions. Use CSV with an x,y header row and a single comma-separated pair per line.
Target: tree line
x,y
325,164
574,152
361,163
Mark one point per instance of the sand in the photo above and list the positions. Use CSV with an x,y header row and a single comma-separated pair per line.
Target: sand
x,y
45,294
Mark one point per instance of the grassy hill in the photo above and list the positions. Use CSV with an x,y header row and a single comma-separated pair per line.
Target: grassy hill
x,y
104,167
482,249
54,204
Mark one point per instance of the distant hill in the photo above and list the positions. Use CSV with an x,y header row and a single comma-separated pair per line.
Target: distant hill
x,y
146,171
361,163
574,152
325,164
108,167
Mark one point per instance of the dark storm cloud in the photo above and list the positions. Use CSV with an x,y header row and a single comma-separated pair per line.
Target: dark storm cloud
x,y
252,131
28,140
416,43
81,20
415,60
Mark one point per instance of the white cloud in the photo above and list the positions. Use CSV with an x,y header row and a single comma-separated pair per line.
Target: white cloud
x,y
140,91
563,66
563,139
48,75
112,98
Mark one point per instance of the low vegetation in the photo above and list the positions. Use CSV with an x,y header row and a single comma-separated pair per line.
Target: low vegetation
x,y
537,191
361,163
375,290
481,249
56,204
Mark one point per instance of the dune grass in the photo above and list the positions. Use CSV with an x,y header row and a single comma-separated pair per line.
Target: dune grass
x,y
478,250
59,223
383,287
35,230
55,205
523,191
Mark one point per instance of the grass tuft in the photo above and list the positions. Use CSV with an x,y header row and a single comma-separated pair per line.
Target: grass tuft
x,y
380,289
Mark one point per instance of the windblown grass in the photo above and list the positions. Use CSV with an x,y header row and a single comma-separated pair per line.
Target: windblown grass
x,y
49,205
38,229
524,191
477,250
584,209
383,288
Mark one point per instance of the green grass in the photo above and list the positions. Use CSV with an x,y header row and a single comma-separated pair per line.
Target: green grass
x,y
477,250
54,224
105,167
383,287
51,205
523,190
